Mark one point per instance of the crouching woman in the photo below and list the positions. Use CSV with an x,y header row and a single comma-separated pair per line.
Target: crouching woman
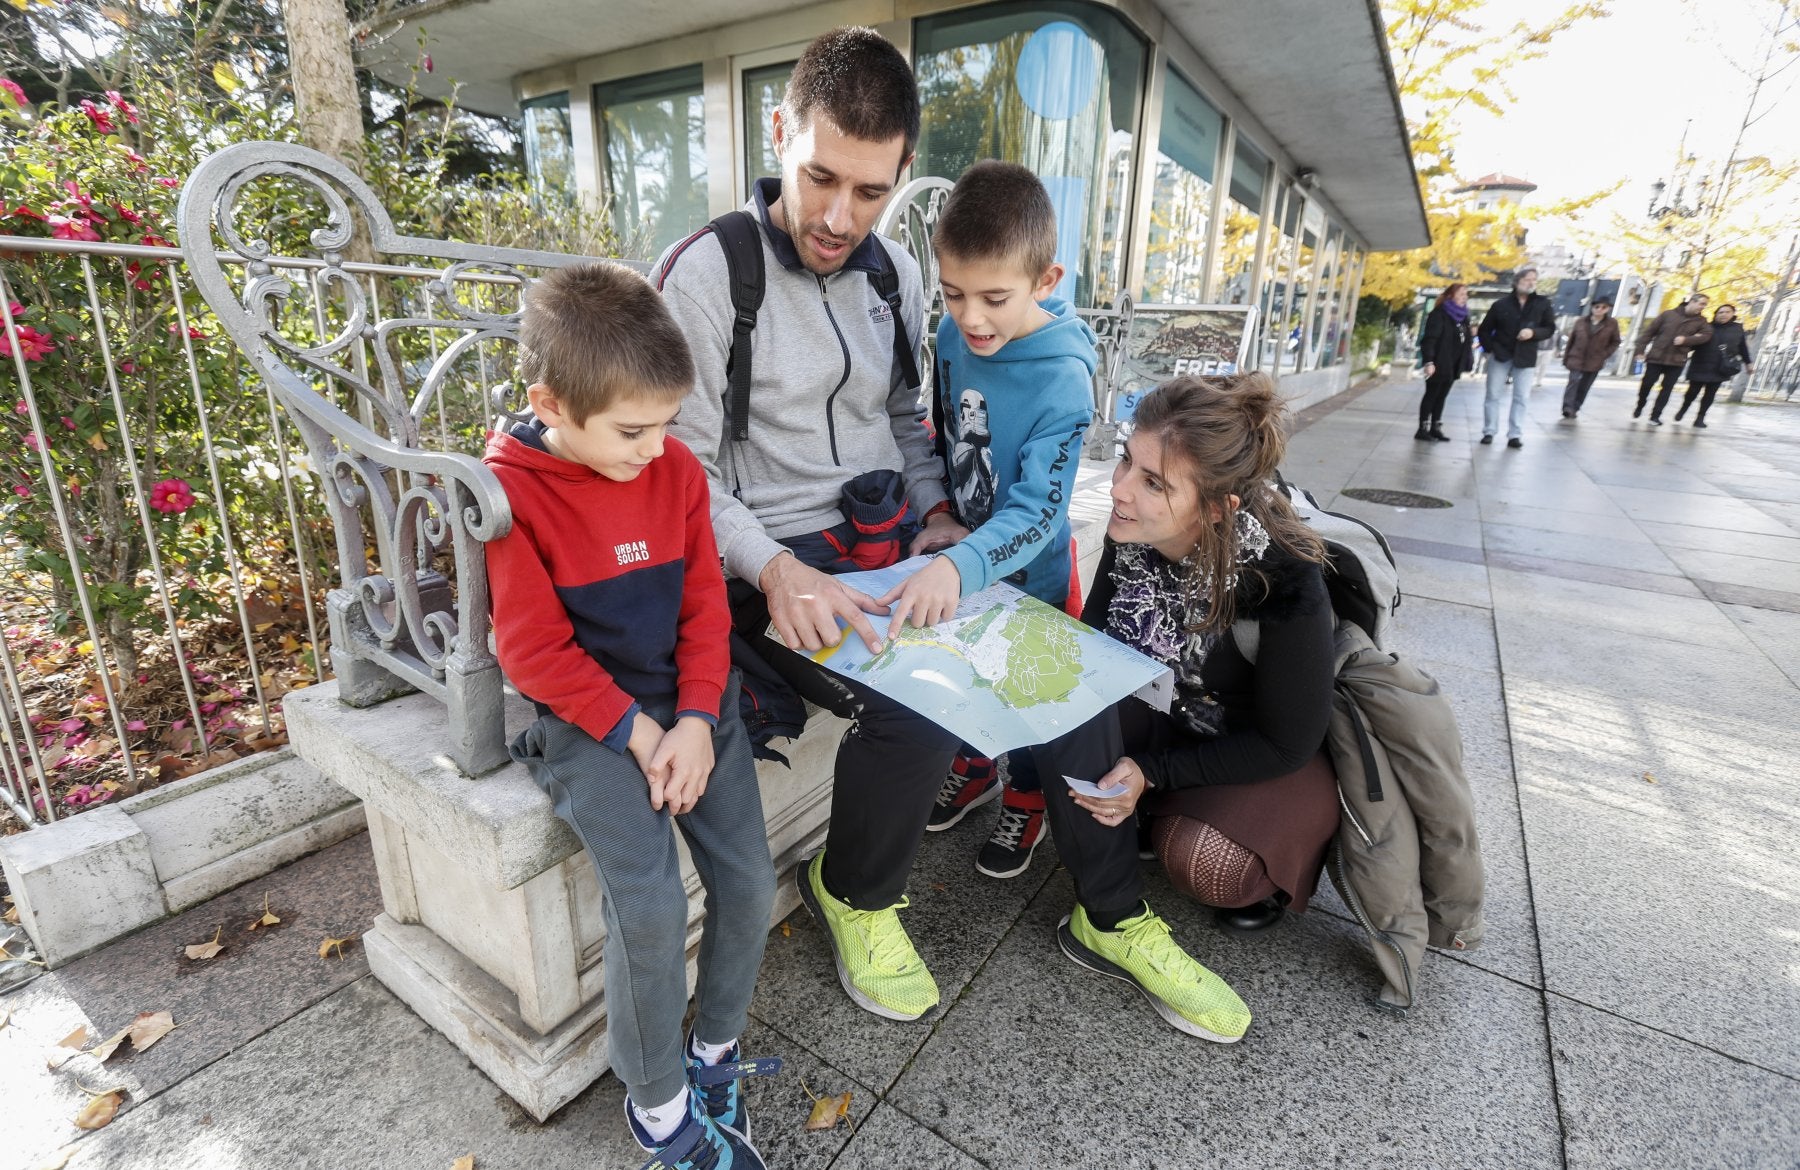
x,y
1240,798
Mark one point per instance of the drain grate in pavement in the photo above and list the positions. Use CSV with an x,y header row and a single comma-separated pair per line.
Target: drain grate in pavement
x,y
1395,498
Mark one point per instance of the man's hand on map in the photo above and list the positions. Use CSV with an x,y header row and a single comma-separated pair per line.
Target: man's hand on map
x,y
1126,782
941,531
805,605
685,758
927,597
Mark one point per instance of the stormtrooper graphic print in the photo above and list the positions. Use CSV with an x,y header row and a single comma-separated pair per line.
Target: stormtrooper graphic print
x,y
972,460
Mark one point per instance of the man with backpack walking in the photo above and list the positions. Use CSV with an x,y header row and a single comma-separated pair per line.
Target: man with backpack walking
x,y
805,326
1510,335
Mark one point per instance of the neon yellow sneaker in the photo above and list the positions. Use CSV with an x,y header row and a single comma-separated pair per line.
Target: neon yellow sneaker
x,y
1141,952
876,962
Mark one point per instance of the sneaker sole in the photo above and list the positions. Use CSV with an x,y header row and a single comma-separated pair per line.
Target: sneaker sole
x,y
1081,956
992,793
1003,874
843,973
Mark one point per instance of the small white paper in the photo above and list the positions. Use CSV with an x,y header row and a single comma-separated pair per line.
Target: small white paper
x,y
1088,788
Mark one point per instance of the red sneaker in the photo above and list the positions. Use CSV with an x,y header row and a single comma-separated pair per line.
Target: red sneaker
x,y
972,780
1020,831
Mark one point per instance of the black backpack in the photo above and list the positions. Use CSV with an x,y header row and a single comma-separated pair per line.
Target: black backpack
x,y
739,237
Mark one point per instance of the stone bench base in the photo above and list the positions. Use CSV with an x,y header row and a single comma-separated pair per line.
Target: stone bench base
x,y
491,927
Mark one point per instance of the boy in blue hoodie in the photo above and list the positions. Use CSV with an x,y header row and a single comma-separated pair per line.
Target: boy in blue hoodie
x,y
1014,395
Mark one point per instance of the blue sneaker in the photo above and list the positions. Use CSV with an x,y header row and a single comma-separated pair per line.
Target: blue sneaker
x,y
700,1143
717,1084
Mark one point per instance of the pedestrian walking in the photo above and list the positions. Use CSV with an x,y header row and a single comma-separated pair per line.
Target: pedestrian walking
x,y
1664,344
1447,351
1718,361
1593,340
1510,335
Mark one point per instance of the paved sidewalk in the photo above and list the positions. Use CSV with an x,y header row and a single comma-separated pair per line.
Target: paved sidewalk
x,y
1615,611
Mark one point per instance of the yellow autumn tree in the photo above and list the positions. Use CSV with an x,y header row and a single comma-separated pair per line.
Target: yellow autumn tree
x,y
1449,61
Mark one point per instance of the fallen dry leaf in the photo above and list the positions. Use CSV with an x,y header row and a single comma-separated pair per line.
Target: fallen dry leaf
x,y
269,917
11,917
786,930
148,1028
5,1018
100,1110
466,1162
69,1046
334,944
207,950
106,1047
828,1111
1649,779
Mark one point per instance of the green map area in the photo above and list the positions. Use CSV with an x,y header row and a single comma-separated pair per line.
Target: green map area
x,y
1026,654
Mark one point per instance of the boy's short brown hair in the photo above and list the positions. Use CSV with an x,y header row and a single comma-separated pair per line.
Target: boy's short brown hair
x,y
599,333
999,211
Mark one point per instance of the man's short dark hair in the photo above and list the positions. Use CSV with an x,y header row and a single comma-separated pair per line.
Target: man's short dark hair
x,y
861,83
1598,301
999,211
597,334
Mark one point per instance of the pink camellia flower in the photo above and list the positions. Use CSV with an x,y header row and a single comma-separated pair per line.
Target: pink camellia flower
x,y
193,332
102,119
65,228
128,215
19,407
68,423
123,106
166,181
172,497
127,367
34,345
428,62
15,309
31,441
18,93
22,490
25,213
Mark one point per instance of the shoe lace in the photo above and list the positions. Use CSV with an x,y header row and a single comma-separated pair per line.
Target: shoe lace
x,y
947,791
1011,829
1149,936
884,938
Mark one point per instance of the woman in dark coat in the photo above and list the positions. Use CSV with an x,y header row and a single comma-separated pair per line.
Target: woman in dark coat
x,y
1244,799
1716,362
1447,349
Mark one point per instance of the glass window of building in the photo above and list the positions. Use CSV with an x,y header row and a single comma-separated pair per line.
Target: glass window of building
x,y
1243,211
549,148
1305,286
1281,340
763,91
1324,322
1053,85
1181,197
655,148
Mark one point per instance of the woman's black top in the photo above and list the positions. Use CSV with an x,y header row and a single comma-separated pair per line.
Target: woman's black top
x,y
1712,362
1275,710
1447,343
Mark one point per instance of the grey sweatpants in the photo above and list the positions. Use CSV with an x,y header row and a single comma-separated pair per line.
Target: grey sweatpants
x,y
603,796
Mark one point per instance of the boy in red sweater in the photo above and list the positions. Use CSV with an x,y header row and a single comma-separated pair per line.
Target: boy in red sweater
x,y
610,615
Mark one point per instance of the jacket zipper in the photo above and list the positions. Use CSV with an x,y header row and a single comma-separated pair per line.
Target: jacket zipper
x,y
1338,879
831,399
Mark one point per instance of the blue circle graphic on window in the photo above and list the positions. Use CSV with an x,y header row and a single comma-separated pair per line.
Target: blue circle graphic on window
x,y
1058,71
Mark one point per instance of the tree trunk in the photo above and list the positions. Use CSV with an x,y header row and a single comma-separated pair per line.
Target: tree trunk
x,y
324,77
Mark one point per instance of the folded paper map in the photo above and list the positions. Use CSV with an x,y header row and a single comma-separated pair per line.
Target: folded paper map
x,y
1006,671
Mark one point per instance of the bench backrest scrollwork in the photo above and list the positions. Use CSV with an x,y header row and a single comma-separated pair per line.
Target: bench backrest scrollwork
x,y
367,392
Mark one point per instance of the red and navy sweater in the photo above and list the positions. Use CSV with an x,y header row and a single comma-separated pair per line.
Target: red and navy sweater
x,y
606,594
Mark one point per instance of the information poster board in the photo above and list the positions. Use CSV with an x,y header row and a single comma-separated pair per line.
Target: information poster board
x,y
1170,341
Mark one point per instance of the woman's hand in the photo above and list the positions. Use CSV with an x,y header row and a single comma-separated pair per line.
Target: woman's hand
x,y
1430,369
1126,784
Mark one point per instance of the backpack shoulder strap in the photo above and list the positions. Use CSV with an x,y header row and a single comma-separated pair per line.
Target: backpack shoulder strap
x,y
886,280
741,240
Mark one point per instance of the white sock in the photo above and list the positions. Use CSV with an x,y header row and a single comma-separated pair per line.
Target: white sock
x,y
662,1121
710,1053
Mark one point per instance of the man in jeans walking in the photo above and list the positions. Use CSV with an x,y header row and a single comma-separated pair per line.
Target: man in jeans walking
x,y
1510,335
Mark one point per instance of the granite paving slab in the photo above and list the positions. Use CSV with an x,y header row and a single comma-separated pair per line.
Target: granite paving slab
x,y
955,919
1445,632
1774,548
1735,569
358,1082
1700,511
261,978
889,1139
1634,552
1543,603
1632,1097
1775,633
1322,1078
1612,525
1443,579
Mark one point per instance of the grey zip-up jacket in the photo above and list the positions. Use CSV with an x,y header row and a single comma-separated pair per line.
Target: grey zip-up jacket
x,y
826,401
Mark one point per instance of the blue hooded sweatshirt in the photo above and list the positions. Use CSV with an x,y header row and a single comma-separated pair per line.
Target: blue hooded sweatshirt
x,y
1012,439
